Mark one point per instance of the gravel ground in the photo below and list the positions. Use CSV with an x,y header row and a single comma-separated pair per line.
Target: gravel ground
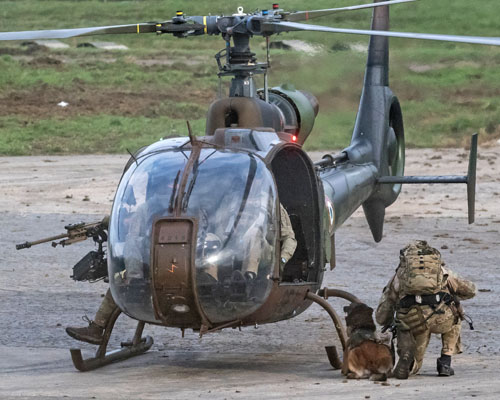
x,y
282,360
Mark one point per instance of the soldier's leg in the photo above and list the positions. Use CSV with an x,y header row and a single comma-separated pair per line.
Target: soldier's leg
x,y
421,343
251,262
451,345
94,331
413,338
451,341
406,353
444,323
105,310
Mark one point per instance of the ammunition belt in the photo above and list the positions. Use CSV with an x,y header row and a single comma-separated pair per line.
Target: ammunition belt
x,y
424,300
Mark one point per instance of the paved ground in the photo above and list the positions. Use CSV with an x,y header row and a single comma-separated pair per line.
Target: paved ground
x,y
283,360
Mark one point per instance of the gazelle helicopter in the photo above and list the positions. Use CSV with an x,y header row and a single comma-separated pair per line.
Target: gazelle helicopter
x,y
189,212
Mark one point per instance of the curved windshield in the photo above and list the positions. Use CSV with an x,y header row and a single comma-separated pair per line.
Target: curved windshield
x,y
234,199
231,198
144,194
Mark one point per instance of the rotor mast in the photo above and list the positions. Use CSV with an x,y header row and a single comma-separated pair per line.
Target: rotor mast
x,y
240,61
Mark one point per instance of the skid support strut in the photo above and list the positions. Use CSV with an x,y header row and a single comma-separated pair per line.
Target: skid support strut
x,y
137,346
331,351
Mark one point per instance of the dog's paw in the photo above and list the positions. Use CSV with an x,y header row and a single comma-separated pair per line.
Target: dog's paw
x,y
378,377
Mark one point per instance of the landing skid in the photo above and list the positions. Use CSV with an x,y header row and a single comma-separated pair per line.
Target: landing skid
x,y
137,346
320,299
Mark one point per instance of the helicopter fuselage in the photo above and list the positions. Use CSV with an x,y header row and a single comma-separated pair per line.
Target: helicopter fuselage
x,y
188,214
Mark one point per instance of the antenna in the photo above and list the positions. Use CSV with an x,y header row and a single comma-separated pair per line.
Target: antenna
x,y
133,157
192,138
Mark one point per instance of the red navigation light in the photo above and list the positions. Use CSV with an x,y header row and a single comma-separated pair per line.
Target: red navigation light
x,y
276,6
294,138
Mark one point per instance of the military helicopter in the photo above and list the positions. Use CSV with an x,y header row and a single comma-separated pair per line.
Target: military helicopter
x,y
189,212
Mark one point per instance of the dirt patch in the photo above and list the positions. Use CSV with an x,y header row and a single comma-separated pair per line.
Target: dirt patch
x,y
42,102
169,61
28,49
282,360
422,68
44,62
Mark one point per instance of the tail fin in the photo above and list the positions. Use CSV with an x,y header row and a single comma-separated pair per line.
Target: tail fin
x,y
378,136
377,66
370,172
471,179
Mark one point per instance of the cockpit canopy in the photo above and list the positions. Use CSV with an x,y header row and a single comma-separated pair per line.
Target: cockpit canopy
x,y
231,199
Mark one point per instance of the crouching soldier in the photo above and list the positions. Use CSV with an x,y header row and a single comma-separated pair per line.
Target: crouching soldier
x,y
425,298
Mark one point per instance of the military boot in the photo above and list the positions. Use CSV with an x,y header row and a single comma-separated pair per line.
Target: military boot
x,y
405,362
444,366
406,352
92,334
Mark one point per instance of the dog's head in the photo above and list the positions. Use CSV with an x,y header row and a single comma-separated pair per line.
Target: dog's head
x,y
359,316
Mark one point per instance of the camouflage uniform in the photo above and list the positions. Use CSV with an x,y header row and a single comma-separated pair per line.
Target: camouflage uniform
x,y
415,324
259,246
288,242
106,308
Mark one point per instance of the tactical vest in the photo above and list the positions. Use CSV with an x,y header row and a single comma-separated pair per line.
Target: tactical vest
x,y
421,271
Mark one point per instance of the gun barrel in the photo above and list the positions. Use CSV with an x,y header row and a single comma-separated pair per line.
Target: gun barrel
x,y
75,233
27,245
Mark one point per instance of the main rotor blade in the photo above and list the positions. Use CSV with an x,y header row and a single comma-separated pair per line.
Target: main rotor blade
x,y
306,15
277,27
146,27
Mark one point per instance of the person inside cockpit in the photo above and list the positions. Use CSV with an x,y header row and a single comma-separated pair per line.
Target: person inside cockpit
x,y
259,247
254,246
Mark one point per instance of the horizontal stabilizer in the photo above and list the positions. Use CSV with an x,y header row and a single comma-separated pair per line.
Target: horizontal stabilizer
x,y
469,179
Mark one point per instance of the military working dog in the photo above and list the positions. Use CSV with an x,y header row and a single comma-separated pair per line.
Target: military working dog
x,y
365,355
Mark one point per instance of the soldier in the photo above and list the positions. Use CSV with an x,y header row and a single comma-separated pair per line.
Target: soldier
x,y
288,241
258,246
425,295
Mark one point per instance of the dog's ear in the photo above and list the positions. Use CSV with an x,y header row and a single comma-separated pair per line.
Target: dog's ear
x,y
347,309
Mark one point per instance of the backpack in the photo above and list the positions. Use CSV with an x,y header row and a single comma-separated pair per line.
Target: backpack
x,y
421,270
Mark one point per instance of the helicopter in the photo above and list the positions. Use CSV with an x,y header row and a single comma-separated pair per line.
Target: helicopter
x,y
184,207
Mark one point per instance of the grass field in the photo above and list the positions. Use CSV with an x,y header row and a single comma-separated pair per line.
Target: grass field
x,y
122,100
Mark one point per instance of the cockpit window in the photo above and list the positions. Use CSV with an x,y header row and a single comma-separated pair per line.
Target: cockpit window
x,y
234,199
145,193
